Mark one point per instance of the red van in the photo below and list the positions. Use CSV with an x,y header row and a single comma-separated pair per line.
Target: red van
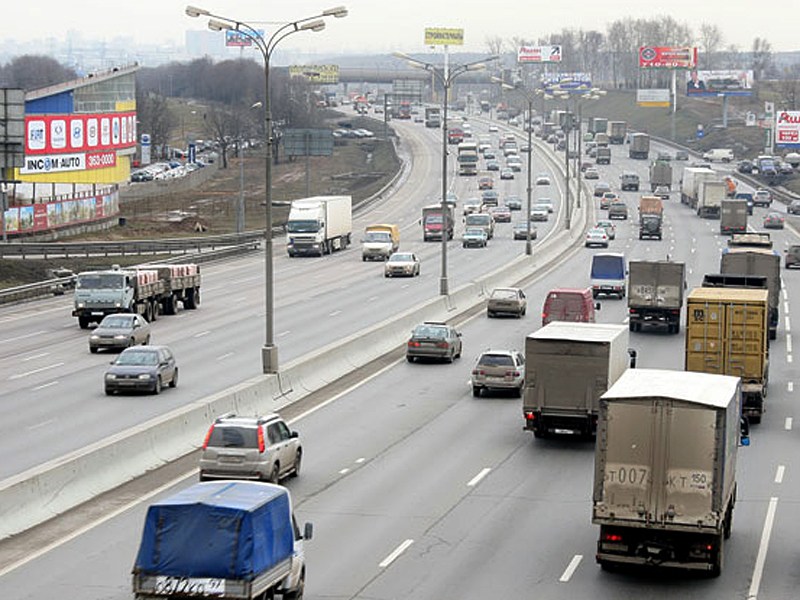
x,y
569,304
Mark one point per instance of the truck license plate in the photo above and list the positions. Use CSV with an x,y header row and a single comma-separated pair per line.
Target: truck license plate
x,y
167,585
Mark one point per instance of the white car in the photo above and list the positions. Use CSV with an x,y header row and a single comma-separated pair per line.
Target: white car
x,y
402,264
540,213
596,237
546,203
543,179
493,129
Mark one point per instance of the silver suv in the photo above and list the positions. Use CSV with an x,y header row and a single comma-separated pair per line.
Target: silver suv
x,y
499,370
257,448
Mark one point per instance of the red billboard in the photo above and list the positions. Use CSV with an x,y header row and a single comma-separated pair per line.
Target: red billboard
x,y
75,133
667,57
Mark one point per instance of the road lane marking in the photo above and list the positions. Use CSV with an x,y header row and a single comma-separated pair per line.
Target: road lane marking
x,y
779,474
42,424
397,552
226,355
785,293
788,323
789,358
201,334
475,480
45,385
573,564
790,386
787,424
39,370
334,313
786,306
626,320
283,333
788,344
761,558
35,356
372,299
22,337
344,471
360,460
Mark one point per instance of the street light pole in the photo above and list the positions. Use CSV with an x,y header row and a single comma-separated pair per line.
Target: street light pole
x,y
528,244
269,352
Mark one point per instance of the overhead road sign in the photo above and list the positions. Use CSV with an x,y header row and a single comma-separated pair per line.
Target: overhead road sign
x,y
442,36
667,57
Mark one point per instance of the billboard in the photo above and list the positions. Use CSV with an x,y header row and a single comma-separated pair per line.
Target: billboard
x,y
316,73
539,54
653,97
442,36
787,128
667,57
240,39
75,133
574,83
715,83
53,215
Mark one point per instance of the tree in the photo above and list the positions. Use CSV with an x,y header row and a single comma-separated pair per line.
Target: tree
x,y
494,45
711,40
761,58
31,72
154,117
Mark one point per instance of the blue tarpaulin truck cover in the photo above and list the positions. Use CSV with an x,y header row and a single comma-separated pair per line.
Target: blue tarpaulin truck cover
x,y
225,529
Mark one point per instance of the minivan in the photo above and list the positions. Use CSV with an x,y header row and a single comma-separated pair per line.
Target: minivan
x,y
569,304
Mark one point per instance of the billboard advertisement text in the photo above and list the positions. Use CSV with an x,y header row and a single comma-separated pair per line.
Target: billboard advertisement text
x,y
714,83
539,54
667,57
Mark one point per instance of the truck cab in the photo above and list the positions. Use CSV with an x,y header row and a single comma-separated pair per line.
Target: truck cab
x,y
609,274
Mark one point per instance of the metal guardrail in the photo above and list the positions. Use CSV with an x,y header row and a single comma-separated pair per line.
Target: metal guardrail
x,y
126,248
61,285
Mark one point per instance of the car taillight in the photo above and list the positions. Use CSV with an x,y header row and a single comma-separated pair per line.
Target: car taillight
x,y
632,311
413,344
612,537
208,437
442,345
512,373
261,445
530,416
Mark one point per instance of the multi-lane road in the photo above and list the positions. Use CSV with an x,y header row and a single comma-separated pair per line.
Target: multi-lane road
x,y
417,489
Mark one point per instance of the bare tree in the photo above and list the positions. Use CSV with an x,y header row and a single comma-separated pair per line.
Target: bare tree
x,y
31,72
711,40
494,45
154,117
761,58
789,88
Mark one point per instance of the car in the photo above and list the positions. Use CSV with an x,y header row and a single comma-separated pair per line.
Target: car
x,y
792,256
492,165
490,198
513,202
472,205
586,165
524,148
588,147
664,156
546,202
501,214
483,147
596,237
260,448
498,370
773,220
794,207
540,213
591,173
784,168
748,197
662,191
509,151
514,163
543,179
552,138
762,197
401,264
142,369
474,237
600,188
420,119
611,229
507,301
119,331
520,230
506,173
434,339
485,183
607,199
681,155
493,129
745,166
489,154
618,210
592,152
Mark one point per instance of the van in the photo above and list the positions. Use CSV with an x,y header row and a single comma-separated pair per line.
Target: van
x,y
722,154
380,241
608,274
483,220
569,304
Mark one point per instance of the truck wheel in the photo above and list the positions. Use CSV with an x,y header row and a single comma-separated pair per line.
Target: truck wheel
x,y
83,322
476,391
93,349
719,557
156,310
727,525
297,592
773,334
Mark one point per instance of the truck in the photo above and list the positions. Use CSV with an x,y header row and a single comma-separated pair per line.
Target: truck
x,y
660,174
433,117
380,241
710,195
594,355
468,156
640,146
404,111
149,290
752,254
455,135
221,539
629,181
608,274
433,222
617,130
651,211
733,216
601,139
319,225
665,469
598,125
655,294
726,334
690,183
602,155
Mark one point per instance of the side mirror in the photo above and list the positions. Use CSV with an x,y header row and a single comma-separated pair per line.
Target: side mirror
x,y
308,531
632,354
744,431
294,434
597,306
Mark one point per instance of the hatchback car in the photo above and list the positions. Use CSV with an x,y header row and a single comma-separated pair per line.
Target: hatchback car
x,y
591,173
773,220
498,370
607,199
681,155
433,339
543,179
472,205
521,231
506,173
507,301
119,331
258,448
745,166
142,369
596,237
474,237
611,229
485,183
747,197
501,214
600,188
513,202
401,264
762,197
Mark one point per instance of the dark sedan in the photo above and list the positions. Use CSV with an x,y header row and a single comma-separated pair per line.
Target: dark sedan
x,y
142,369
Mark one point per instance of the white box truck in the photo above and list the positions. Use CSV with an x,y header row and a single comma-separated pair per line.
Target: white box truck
x,y
319,225
690,183
710,195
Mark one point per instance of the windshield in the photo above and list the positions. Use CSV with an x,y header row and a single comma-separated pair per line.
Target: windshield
x,y
302,226
401,258
105,281
468,158
378,236
138,357
608,267
504,294
433,219
426,331
478,219
496,360
117,322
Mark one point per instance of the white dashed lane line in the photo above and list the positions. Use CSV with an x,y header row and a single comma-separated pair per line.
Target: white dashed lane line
x,y
476,480
570,570
395,554
787,424
779,473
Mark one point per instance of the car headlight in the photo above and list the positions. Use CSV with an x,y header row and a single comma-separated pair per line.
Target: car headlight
x,y
94,337
144,376
80,305
120,337
118,305
110,376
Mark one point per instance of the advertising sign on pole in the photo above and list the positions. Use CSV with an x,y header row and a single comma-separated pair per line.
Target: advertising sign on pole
x,y
653,97
442,36
567,82
667,57
787,128
145,149
539,54
719,83
237,39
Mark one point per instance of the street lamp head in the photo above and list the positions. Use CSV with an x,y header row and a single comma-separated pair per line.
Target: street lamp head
x,y
337,12
216,25
194,11
316,25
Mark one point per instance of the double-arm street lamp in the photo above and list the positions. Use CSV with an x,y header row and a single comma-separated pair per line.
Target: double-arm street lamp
x,y
266,46
445,75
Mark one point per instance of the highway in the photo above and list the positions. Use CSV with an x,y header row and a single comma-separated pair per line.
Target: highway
x,y
418,490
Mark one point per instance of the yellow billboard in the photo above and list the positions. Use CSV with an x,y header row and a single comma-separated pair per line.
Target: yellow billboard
x,y
316,73
442,36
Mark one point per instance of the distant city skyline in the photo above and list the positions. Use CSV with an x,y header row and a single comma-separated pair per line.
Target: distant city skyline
x,y
371,27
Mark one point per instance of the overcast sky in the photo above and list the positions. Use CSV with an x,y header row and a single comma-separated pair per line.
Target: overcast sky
x,y
385,26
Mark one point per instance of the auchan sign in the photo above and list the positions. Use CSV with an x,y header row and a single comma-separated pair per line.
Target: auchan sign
x,y
787,128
